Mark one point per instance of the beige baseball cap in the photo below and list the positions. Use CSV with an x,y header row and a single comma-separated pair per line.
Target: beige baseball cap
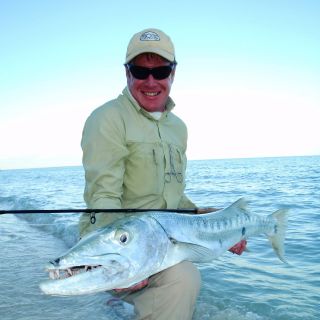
x,y
150,40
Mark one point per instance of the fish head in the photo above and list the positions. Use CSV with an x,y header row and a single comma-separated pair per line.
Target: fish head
x,y
116,256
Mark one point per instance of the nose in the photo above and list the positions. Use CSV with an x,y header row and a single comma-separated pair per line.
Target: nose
x,y
151,80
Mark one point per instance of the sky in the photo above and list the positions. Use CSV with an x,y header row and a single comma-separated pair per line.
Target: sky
x,y
247,82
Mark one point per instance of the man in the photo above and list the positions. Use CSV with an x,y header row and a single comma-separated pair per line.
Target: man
x,y
134,156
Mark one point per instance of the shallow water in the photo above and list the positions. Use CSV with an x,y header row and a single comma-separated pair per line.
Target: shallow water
x,y
254,286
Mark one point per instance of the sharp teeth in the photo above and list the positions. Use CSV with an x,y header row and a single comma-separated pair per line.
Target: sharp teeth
x,y
69,272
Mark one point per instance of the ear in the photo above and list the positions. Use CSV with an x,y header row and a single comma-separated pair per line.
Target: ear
x,y
173,72
127,72
129,77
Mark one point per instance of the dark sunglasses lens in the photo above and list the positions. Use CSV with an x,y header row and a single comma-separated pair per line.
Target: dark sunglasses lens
x,y
142,73
161,73
139,73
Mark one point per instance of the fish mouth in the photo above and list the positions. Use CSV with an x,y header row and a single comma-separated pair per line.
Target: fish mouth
x,y
78,280
110,263
82,279
60,274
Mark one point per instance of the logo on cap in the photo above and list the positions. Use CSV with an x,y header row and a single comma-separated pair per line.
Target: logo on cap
x,y
150,36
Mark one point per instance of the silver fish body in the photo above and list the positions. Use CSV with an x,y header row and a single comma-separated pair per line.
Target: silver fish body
x,y
136,247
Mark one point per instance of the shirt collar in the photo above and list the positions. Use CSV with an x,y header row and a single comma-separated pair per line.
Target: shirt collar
x,y
169,105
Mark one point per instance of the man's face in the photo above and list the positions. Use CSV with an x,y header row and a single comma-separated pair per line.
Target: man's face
x,y
150,93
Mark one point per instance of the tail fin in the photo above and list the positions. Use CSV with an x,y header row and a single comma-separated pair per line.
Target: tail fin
x,y
277,239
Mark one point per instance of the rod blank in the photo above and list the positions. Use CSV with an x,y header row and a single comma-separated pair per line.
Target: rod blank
x,y
126,210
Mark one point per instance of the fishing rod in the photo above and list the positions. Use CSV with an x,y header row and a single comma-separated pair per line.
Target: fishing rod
x,y
126,210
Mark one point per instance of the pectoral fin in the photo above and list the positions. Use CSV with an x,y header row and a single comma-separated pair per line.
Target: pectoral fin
x,y
193,252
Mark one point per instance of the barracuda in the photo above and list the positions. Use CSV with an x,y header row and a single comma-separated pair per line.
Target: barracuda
x,y
138,246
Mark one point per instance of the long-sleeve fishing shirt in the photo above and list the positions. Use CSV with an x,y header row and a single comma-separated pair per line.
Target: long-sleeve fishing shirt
x,y
132,160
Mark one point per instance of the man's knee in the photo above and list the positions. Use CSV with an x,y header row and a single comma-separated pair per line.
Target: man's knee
x,y
171,294
184,276
189,276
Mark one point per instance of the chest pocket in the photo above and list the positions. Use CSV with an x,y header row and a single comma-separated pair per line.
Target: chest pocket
x,y
145,167
175,165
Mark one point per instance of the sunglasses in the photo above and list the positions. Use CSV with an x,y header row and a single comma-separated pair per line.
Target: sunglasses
x,y
158,73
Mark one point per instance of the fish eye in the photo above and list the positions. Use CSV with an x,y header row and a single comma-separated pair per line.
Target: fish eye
x,y
122,237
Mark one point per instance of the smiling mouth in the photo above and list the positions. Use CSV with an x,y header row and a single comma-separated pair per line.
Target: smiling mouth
x,y
151,94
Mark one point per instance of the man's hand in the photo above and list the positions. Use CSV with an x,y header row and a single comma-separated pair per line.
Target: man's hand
x,y
135,287
239,247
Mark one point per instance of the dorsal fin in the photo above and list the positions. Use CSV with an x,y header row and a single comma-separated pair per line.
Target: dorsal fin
x,y
240,204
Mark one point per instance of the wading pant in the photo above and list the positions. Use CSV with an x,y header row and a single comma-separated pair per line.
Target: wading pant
x,y
170,295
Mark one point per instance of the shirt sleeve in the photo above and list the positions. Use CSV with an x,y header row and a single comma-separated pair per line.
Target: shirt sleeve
x,y
104,152
186,203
